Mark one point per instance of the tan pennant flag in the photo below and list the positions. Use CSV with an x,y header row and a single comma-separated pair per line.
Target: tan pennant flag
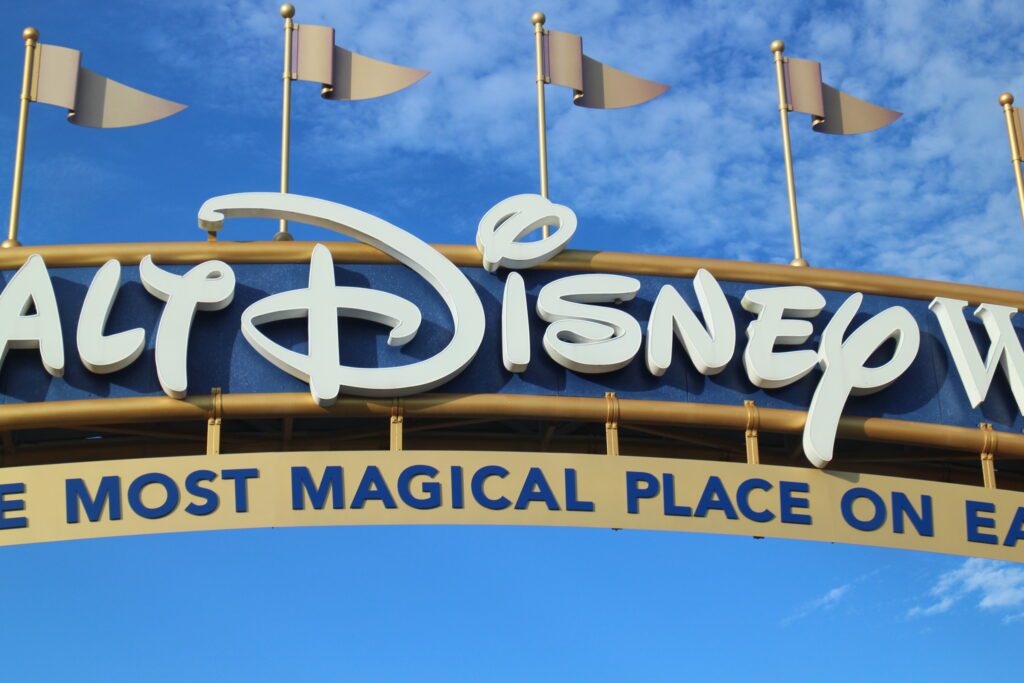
x,y
595,85
832,111
92,100
344,75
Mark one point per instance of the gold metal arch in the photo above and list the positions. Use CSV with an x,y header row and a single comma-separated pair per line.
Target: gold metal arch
x,y
631,414
62,256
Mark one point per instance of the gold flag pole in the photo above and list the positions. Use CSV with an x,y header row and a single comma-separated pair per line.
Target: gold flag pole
x,y
287,11
1006,100
777,47
31,36
538,19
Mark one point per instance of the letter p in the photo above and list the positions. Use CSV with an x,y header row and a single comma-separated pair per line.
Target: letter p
x,y
640,485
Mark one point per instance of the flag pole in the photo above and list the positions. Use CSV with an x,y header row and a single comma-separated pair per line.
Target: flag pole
x,y
31,36
287,11
538,19
1006,100
777,47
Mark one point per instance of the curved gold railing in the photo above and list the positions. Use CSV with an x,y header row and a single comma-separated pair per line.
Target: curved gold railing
x,y
467,256
89,412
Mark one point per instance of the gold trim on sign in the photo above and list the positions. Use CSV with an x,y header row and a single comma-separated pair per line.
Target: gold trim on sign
x,y
71,414
467,256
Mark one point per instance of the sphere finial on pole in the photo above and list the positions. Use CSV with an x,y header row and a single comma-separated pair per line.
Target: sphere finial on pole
x,y
777,46
1016,136
30,33
538,18
287,10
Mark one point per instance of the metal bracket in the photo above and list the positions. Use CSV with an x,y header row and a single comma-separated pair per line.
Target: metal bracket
x,y
396,425
214,422
988,453
611,424
753,422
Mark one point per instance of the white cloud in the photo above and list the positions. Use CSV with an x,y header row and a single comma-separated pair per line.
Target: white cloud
x,y
995,586
825,602
698,171
942,605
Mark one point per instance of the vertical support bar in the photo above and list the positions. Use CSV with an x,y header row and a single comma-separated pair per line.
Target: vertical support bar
x,y
549,433
396,425
31,36
287,427
8,443
611,424
777,47
1012,130
538,19
988,452
753,422
287,11
214,422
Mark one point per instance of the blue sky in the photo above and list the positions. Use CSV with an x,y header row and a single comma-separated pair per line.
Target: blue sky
x,y
698,172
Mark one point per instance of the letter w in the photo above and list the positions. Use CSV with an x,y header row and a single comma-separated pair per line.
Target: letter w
x,y
1004,348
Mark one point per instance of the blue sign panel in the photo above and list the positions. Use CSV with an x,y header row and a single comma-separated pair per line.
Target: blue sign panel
x,y
929,391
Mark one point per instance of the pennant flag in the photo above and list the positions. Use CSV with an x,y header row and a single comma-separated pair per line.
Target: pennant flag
x,y
344,75
58,78
832,111
595,85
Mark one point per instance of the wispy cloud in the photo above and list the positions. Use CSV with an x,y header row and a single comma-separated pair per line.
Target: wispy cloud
x,y
990,585
825,602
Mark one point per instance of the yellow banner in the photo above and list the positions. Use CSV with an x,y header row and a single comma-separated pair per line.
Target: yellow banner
x,y
160,495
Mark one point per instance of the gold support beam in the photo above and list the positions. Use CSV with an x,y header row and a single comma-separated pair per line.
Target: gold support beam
x,y
538,19
397,419
287,11
988,453
31,37
753,421
213,423
611,423
1014,133
777,48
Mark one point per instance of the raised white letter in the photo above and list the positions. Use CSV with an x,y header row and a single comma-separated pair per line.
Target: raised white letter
x,y
1004,348
586,338
41,330
501,229
322,303
209,286
766,368
515,325
710,350
101,353
845,372
463,303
